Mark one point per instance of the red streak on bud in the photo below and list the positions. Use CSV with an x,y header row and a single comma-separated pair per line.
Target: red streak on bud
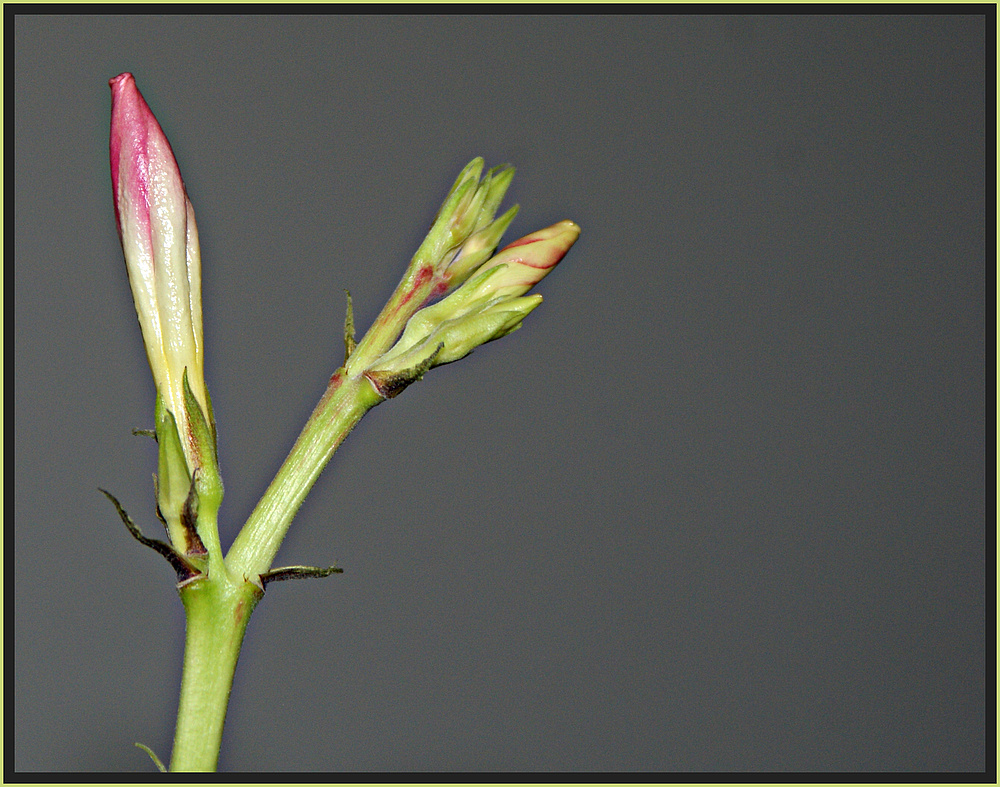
x,y
522,242
539,264
424,275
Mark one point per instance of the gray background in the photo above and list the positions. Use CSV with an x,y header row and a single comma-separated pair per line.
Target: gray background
x,y
720,504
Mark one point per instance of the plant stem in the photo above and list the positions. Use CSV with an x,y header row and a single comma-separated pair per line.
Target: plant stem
x,y
218,604
218,609
343,404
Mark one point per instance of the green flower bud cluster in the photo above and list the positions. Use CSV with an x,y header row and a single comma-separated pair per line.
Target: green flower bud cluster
x,y
489,305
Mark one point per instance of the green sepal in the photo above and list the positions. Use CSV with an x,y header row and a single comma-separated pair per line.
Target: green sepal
x,y
173,482
211,420
445,232
189,521
468,211
463,335
186,569
470,172
209,480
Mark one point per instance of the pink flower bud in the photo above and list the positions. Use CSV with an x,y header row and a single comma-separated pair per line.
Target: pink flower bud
x,y
160,240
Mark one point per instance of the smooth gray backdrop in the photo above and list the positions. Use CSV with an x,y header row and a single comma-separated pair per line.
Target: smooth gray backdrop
x,y
719,505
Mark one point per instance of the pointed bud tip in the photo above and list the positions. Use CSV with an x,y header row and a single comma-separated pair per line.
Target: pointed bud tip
x,y
121,79
567,228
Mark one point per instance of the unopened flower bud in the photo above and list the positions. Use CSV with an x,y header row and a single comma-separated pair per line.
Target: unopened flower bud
x,y
160,240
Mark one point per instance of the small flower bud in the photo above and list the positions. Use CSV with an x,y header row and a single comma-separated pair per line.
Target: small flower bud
x,y
528,260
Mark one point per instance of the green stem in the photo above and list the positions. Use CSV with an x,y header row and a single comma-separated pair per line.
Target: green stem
x,y
218,604
343,404
218,610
